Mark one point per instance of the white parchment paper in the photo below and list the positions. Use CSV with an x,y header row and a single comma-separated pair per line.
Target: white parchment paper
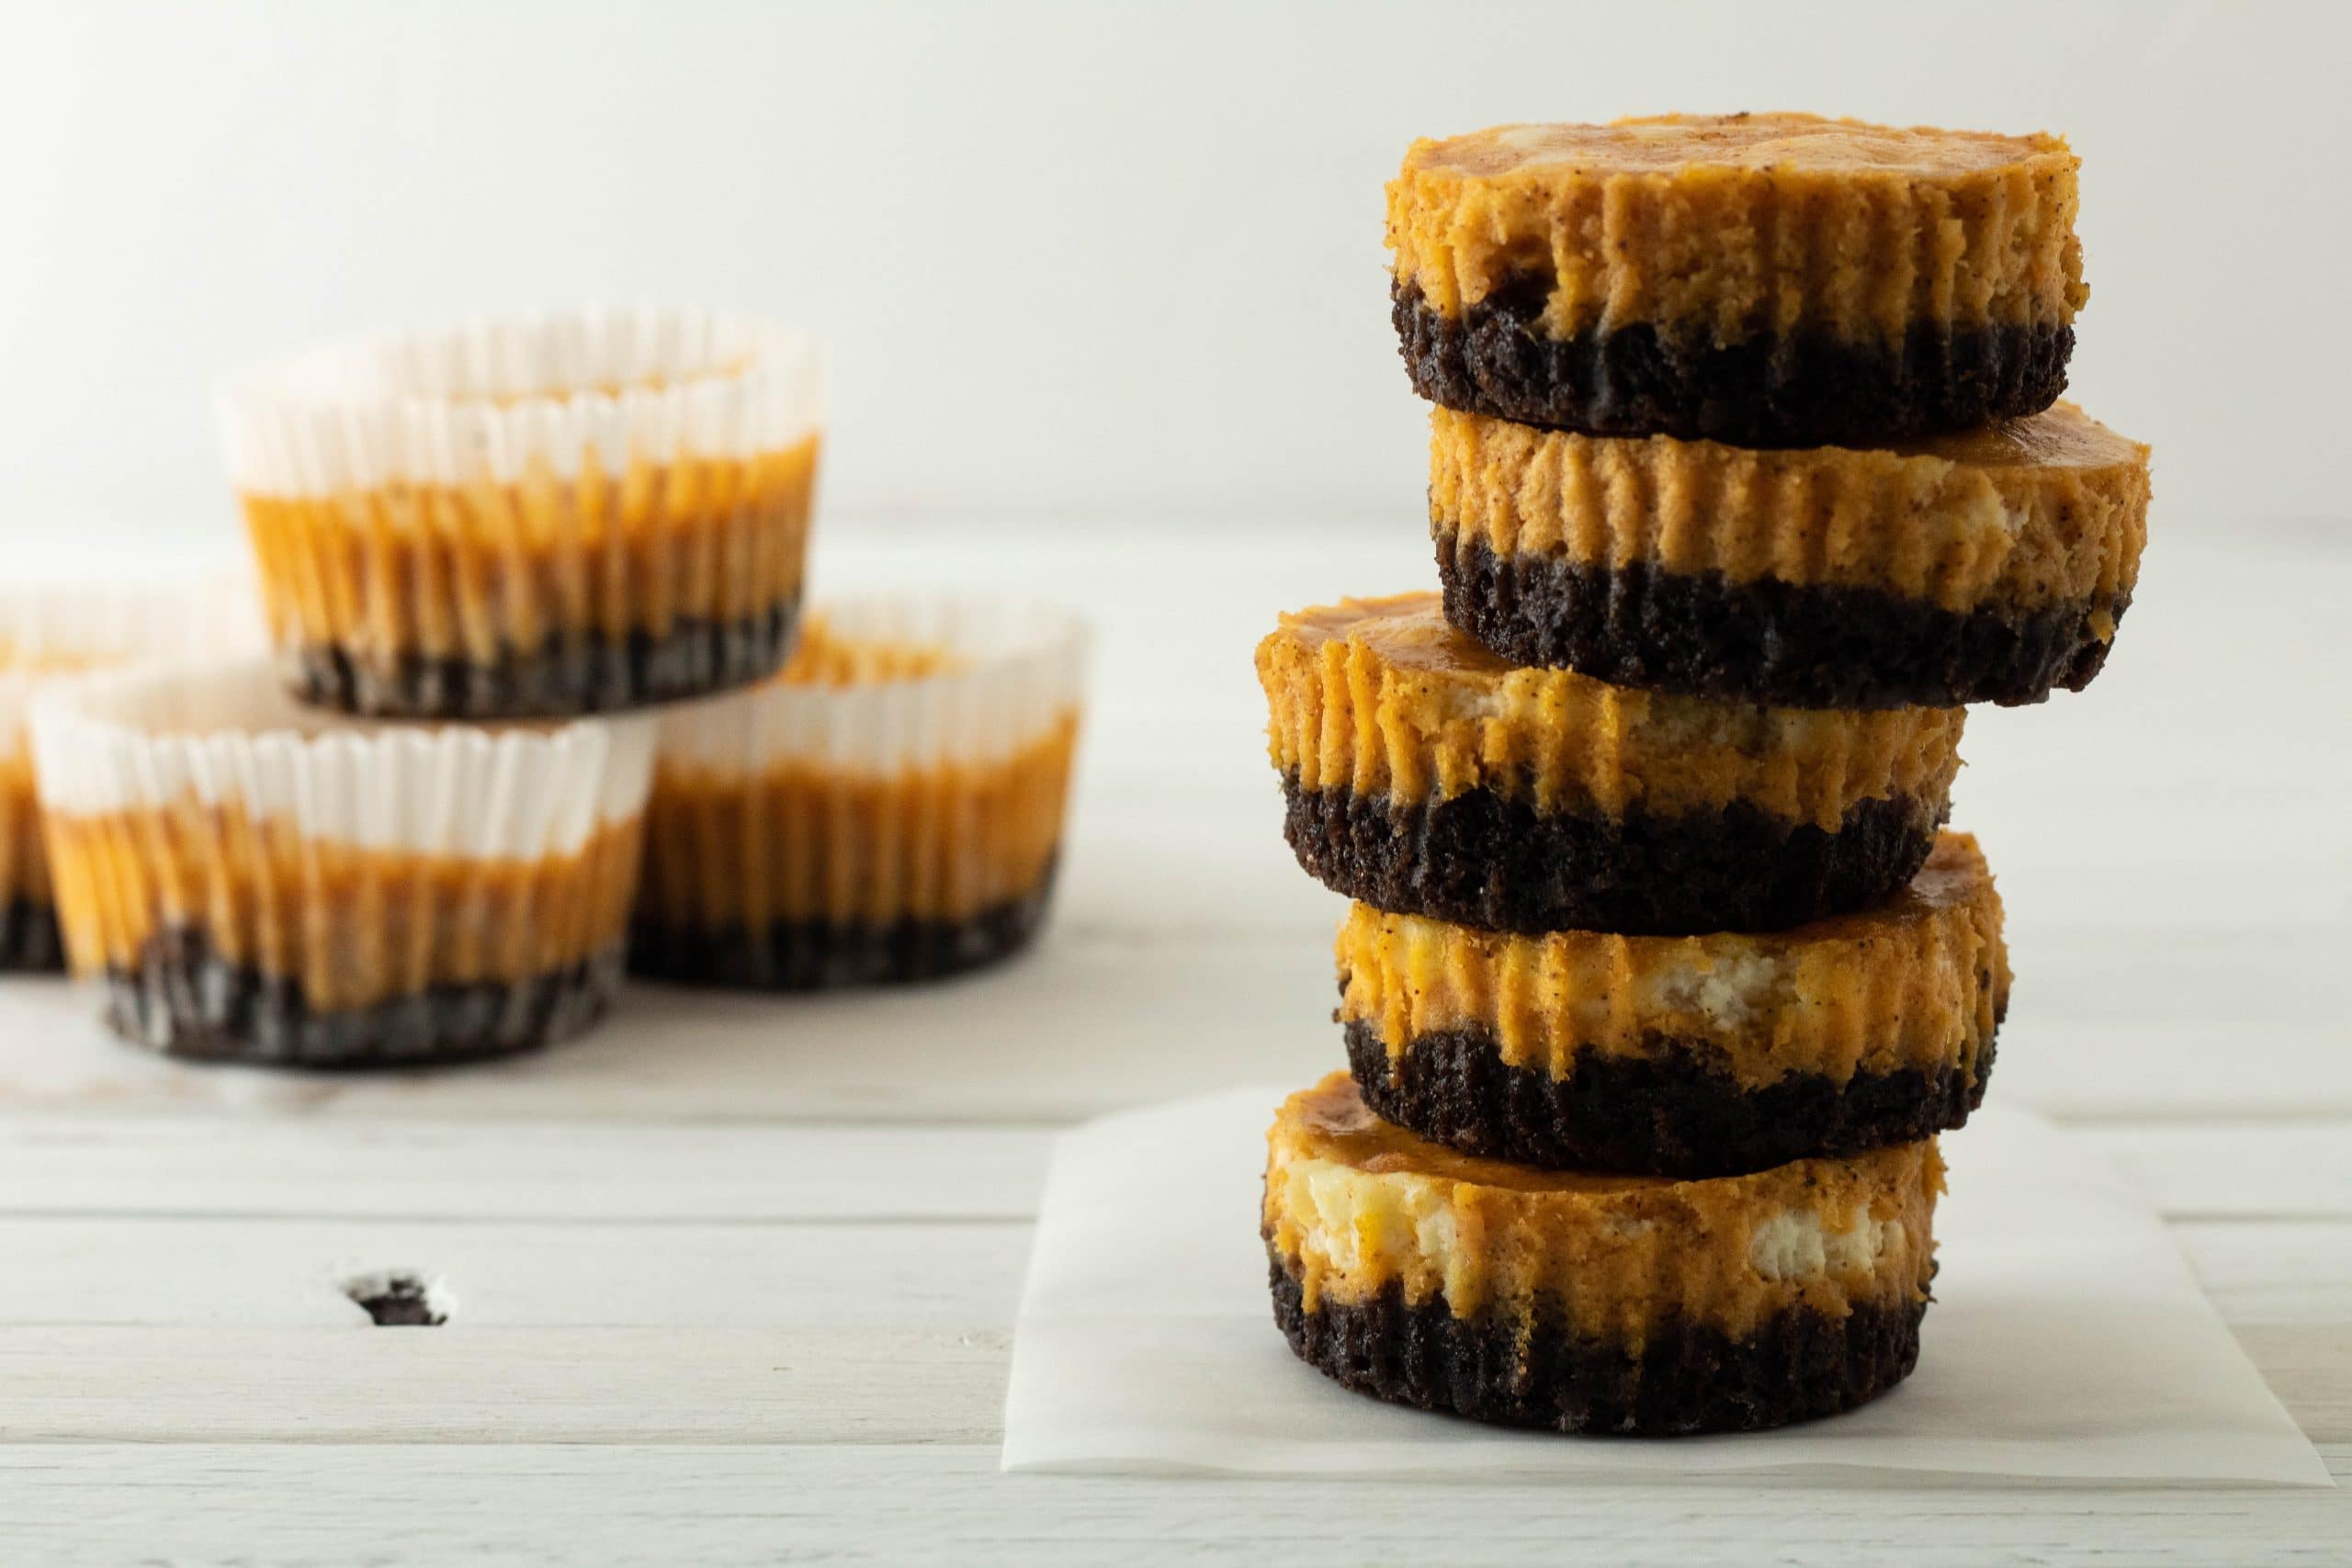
x,y
2067,1341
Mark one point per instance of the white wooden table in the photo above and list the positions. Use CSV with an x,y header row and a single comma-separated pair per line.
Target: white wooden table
x,y
732,1280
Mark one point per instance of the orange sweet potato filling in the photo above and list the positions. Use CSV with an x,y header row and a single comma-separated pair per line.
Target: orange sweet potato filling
x,y
484,571
1353,1204
801,843
353,926
1382,698
1917,981
2032,512
1732,224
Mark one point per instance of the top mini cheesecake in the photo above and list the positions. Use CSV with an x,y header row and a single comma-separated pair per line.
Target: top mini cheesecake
x,y
1767,279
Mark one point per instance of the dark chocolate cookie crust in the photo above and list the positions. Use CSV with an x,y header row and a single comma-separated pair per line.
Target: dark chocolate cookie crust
x,y
30,939
1819,645
1764,391
1673,1111
817,956
1687,1378
579,675
184,999
1486,859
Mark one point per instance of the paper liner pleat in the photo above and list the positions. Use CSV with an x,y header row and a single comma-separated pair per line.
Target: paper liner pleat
x,y
54,631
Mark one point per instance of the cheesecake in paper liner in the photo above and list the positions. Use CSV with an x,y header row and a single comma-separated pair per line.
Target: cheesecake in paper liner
x,y
574,513
51,632
889,808
255,881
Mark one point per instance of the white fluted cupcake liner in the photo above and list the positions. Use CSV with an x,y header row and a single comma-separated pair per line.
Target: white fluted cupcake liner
x,y
51,632
259,881
572,513
853,824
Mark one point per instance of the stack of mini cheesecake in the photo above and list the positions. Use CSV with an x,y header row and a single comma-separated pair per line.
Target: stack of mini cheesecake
x,y
545,706
1748,472
516,537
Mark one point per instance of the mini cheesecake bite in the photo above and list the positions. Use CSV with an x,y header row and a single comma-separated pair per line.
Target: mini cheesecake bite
x,y
1768,279
1424,776
55,633
576,512
255,882
1696,1055
1587,1302
889,808
1988,566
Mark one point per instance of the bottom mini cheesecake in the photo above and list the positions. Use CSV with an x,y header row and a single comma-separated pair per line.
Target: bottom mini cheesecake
x,y
1589,1303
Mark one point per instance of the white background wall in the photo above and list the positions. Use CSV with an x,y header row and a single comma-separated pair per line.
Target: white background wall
x,y
1081,259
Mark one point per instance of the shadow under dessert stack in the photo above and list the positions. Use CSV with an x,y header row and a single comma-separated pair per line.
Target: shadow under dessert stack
x,y
1748,472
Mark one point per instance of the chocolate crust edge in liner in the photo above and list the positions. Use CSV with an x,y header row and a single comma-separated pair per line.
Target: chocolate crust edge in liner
x,y
574,675
1762,390
30,941
816,955
185,1000
1486,859
1672,1111
1799,1365
1792,644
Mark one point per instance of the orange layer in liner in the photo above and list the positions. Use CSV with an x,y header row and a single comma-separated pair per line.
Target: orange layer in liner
x,y
352,926
483,571
802,844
